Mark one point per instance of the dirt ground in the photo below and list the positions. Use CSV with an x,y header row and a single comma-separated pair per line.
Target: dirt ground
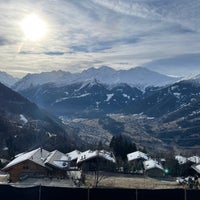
x,y
129,181
109,180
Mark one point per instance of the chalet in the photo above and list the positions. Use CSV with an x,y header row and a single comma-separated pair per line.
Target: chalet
x,y
91,160
37,163
153,168
27,164
58,163
73,156
136,161
183,160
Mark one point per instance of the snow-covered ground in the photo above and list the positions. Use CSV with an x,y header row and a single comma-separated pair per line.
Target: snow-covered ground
x,y
31,182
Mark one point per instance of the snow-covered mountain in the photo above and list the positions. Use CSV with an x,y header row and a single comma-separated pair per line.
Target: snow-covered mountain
x,y
138,77
7,79
84,98
171,113
57,77
94,96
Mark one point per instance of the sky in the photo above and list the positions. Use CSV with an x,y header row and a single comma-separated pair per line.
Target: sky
x,y
91,33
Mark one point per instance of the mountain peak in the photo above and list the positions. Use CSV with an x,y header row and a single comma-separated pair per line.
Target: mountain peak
x,y
7,79
139,77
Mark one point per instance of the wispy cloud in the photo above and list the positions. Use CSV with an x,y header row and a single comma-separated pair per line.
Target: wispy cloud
x,y
81,34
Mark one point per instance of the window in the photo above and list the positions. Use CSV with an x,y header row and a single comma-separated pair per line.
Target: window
x,y
25,167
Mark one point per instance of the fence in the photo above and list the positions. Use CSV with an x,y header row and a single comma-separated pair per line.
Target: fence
x,y
60,193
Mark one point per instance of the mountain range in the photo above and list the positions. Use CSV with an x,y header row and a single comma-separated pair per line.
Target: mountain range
x,y
146,106
95,98
138,77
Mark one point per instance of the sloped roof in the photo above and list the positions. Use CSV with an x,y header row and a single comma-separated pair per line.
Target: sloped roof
x,y
137,155
151,164
73,155
194,159
87,155
196,167
107,155
37,156
181,159
57,159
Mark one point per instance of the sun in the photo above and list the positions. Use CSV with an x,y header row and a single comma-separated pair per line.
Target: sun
x,y
34,27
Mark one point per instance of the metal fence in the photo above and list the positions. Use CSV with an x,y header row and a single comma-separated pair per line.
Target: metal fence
x,y
8,192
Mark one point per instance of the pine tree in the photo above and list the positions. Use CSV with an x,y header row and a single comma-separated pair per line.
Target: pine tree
x,y
121,146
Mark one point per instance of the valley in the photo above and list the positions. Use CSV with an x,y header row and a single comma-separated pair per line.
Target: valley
x,y
87,109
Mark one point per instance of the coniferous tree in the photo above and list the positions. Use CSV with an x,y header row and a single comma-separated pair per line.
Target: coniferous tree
x,y
122,146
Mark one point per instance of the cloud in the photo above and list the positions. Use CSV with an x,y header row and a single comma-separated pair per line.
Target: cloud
x,y
81,34
55,53
4,41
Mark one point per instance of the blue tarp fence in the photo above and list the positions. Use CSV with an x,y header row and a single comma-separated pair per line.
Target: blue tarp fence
x,y
8,192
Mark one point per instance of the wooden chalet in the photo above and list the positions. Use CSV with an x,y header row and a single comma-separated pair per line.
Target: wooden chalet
x,y
153,168
57,163
96,160
136,160
37,163
27,164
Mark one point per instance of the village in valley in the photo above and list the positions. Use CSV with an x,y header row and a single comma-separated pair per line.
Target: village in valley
x,y
100,168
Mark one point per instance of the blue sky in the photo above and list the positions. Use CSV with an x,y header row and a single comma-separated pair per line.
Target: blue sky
x,y
85,33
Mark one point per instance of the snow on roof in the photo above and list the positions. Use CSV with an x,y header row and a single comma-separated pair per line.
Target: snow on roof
x,y
86,155
181,160
137,155
97,153
196,167
57,159
73,155
107,155
194,159
150,164
37,156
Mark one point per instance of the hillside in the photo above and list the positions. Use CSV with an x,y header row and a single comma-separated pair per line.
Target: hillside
x,y
164,116
156,135
24,126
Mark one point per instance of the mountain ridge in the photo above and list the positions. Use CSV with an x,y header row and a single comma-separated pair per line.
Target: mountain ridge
x,y
138,77
7,79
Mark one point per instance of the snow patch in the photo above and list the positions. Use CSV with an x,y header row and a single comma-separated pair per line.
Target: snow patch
x,y
109,97
73,97
126,96
177,94
23,119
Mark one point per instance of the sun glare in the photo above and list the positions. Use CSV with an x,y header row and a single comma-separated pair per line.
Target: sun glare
x,y
33,27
